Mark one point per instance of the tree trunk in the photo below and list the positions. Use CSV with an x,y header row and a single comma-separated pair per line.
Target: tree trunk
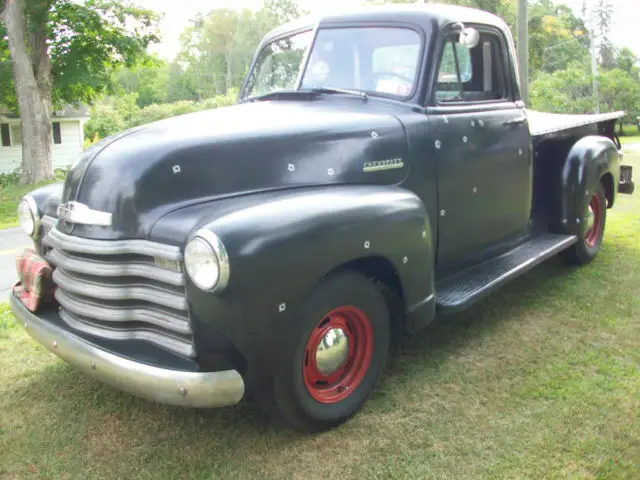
x,y
32,78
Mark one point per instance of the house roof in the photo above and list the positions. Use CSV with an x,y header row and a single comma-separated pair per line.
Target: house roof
x,y
66,111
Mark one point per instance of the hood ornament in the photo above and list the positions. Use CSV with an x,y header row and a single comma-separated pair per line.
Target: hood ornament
x,y
76,212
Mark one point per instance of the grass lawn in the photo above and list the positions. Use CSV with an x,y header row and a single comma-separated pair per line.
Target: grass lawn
x,y
541,380
9,198
631,134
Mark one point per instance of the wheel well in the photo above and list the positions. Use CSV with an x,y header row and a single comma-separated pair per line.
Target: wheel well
x,y
607,182
384,274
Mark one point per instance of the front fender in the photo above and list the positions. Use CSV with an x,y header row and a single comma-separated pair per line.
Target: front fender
x,y
281,244
588,161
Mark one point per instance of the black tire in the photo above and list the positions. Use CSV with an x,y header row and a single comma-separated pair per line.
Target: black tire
x,y
294,400
590,238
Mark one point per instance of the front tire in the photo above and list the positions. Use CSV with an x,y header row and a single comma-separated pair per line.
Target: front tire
x,y
339,352
592,229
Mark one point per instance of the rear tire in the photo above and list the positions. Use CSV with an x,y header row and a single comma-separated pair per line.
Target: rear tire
x,y
320,388
593,220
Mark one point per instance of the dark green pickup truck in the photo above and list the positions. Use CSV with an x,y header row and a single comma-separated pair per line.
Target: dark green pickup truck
x,y
379,169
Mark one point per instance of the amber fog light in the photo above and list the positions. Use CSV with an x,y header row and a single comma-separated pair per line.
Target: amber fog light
x,y
206,261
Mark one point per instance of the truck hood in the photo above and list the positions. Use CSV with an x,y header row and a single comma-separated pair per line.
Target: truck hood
x,y
144,173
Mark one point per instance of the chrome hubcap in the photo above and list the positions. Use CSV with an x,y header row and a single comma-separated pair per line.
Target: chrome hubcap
x,y
590,218
332,351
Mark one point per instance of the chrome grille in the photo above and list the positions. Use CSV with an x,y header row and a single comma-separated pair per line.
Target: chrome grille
x,y
121,290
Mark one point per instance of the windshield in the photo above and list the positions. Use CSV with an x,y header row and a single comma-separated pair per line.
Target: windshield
x,y
380,60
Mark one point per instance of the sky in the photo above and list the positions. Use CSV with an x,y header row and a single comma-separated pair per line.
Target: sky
x,y
177,14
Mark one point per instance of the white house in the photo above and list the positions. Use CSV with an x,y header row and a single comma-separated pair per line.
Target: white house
x,y
67,138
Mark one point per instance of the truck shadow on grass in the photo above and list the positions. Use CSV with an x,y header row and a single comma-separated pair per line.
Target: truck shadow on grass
x,y
59,406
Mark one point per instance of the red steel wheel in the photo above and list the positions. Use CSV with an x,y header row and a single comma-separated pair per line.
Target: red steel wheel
x,y
338,354
594,221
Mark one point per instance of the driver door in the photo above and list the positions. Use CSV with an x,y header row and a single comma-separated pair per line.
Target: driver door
x,y
482,149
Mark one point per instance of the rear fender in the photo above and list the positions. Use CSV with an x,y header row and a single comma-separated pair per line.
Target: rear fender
x,y
589,159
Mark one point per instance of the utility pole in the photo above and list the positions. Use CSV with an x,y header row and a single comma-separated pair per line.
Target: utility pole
x,y
522,34
594,59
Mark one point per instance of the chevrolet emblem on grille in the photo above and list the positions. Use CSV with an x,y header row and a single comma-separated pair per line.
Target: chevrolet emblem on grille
x,y
76,212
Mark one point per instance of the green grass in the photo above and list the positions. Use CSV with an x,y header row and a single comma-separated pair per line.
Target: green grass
x,y
541,380
630,134
10,196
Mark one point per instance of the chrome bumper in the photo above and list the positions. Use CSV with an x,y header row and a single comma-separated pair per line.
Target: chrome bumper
x,y
174,387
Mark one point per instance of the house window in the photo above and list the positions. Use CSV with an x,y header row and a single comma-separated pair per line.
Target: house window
x,y
16,134
6,138
57,135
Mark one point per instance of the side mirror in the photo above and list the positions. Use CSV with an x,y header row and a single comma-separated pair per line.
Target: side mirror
x,y
469,37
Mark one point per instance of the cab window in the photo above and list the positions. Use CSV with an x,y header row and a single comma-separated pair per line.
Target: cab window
x,y
472,75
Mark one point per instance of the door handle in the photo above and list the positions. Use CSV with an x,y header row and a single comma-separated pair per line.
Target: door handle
x,y
515,121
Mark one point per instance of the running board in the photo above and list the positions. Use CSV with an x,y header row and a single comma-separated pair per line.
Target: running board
x,y
459,291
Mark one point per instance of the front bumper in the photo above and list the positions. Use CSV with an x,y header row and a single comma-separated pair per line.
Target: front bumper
x,y
174,387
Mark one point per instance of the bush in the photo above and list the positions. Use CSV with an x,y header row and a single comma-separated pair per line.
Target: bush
x,y
9,179
113,115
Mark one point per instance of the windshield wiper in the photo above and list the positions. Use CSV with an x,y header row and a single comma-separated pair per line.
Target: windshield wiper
x,y
344,91
306,91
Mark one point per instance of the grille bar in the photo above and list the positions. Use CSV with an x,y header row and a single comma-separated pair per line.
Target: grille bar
x,y
62,241
120,290
114,269
112,291
122,313
162,340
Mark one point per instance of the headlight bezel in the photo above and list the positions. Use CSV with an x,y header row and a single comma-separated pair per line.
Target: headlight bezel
x,y
32,208
219,253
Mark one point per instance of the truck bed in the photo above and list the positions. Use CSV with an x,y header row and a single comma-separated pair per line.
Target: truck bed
x,y
542,123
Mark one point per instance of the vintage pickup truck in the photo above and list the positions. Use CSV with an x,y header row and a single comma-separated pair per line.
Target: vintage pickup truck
x,y
378,170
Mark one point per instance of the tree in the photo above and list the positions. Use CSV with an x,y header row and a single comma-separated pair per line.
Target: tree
x,y
217,48
569,91
64,51
603,13
556,37
627,61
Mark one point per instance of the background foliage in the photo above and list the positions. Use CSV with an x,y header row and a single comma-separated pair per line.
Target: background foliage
x,y
217,48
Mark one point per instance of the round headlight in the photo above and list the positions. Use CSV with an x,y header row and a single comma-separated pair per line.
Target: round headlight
x,y
28,216
206,262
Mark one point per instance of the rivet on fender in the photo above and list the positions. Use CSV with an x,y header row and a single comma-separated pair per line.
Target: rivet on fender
x,y
282,307
464,139
367,244
176,169
291,167
443,212
405,259
330,171
424,234
374,134
438,144
183,391
473,124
